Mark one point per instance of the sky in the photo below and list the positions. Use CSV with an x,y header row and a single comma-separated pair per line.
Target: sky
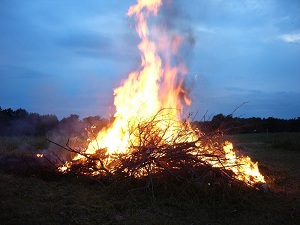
x,y
65,57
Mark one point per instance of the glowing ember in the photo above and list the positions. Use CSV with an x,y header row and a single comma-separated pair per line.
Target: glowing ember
x,y
148,122
39,155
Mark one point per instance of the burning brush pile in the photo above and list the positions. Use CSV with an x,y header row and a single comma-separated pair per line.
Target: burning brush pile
x,y
148,137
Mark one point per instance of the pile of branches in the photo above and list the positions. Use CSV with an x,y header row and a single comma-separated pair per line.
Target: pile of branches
x,y
179,158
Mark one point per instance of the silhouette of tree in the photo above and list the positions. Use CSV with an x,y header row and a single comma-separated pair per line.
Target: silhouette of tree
x,y
21,122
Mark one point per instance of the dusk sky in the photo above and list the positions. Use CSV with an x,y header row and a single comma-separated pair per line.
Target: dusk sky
x,y
65,57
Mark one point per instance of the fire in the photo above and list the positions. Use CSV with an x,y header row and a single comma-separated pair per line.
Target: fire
x,y
39,155
149,105
243,167
146,91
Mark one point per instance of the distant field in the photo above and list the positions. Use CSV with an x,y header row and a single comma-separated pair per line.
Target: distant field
x,y
21,145
31,197
277,151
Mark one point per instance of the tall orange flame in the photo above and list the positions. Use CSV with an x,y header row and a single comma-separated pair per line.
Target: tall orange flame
x,y
156,86
146,91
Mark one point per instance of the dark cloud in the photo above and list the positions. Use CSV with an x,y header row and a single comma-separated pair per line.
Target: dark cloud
x,y
88,44
86,40
101,46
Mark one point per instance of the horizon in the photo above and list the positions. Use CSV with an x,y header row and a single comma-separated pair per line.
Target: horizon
x,y
200,119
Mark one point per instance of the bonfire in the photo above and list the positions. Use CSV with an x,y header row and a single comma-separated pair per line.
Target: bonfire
x,y
150,136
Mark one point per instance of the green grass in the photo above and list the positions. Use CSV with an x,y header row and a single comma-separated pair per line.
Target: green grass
x,y
278,151
35,197
271,141
21,145
31,200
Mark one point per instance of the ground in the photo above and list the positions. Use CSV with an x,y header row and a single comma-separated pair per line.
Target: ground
x,y
31,195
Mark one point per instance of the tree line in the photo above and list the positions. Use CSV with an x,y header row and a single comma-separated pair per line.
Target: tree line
x,y
228,124
20,122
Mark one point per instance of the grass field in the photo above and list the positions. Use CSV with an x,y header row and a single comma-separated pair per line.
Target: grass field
x,y
30,196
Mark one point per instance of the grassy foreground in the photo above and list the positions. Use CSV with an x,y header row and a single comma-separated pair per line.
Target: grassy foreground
x,y
30,197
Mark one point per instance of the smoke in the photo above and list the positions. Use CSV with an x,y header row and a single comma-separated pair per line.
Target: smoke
x,y
176,22
73,133
174,25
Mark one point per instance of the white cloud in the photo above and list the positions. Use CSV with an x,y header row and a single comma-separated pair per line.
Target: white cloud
x,y
204,29
246,6
290,38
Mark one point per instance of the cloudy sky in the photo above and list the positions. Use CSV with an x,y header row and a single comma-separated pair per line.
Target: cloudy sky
x,y
66,56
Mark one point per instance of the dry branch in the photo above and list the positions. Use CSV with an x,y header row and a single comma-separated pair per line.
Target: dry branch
x,y
154,152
